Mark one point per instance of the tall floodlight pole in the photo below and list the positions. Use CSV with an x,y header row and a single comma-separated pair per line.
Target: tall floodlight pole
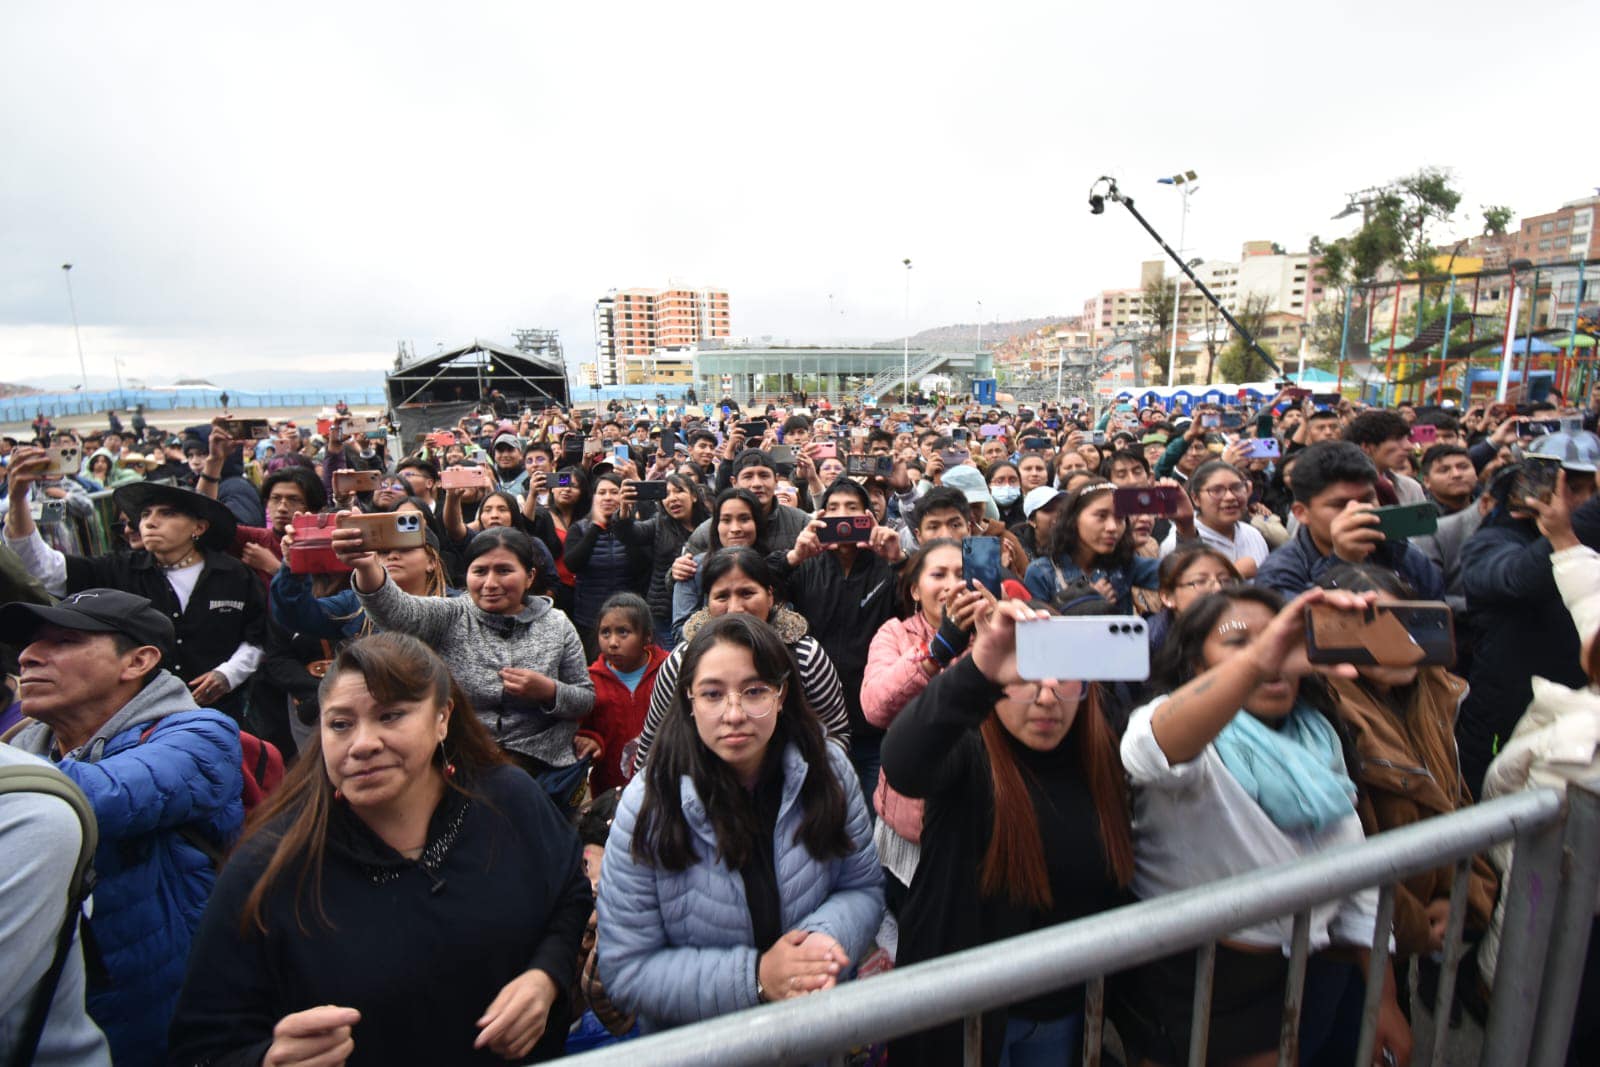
x,y
1185,183
905,353
66,272
980,326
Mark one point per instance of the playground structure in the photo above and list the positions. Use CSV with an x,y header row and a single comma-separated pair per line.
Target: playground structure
x,y
1460,327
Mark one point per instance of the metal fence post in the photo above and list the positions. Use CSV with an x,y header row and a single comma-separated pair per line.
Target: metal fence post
x,y
1531,894
1294,991
1377,964
1574,919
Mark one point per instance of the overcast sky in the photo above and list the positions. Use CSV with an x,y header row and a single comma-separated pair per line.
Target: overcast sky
x,y
300,185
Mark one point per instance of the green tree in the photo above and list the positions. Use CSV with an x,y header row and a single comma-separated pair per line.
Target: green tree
x,y
1156,332
1398,221
1237,363
1496,217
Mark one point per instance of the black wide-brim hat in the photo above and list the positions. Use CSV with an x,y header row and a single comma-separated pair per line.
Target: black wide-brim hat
x,y
134,497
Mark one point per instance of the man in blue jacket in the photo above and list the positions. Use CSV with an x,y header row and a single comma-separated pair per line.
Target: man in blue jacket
x,y
1335,492
163,776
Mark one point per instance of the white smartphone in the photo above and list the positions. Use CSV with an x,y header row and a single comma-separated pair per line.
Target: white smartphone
x,y
1087,648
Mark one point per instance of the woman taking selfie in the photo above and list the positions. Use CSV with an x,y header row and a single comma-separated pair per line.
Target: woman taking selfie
x,y
663,535
602,562
906,653
740,582
1240,766
747,813
518,659
405,896
569,502
1090,542
1026,826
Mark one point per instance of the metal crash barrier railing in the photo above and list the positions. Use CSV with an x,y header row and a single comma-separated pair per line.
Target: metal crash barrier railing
x,y
1550,904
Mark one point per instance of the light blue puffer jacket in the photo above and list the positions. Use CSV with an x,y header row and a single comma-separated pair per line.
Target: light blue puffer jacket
x,y
677,946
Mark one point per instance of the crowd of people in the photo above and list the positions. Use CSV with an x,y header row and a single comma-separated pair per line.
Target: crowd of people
x,y
556,727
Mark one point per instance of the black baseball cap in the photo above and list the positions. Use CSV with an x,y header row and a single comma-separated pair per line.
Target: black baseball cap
x,y
100,611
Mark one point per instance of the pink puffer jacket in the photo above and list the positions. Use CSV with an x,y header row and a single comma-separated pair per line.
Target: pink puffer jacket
x,y
894,677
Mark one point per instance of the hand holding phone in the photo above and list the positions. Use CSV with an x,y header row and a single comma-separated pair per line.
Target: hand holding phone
x,y
980,563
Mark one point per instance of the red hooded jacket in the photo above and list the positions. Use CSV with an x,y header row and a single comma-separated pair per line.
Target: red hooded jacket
x,y
618,717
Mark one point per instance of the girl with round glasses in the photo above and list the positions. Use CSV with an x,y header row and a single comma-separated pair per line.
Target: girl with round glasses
x,y
740,867
1221,496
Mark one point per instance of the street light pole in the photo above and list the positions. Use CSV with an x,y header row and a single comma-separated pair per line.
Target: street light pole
x,y
1185,183
66,272
905,353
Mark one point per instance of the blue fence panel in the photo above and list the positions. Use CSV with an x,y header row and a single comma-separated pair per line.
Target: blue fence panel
x,y
59,405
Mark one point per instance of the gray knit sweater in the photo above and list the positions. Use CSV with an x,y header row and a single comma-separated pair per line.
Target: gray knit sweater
x,y
476,644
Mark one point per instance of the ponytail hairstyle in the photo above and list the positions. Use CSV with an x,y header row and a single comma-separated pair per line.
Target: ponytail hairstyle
x,y
395,667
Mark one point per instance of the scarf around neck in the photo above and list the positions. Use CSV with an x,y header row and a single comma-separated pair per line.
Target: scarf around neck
x,y
1296,773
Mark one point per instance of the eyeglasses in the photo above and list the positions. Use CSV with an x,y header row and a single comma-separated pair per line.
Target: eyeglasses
x,y
1210,581
1065,691
757,701
1217,492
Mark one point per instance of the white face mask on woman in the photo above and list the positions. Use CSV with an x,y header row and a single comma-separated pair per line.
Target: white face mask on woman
x,y
1005,495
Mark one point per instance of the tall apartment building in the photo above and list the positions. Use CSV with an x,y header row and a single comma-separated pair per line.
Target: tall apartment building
x,y
633,328
1286,280
1560,236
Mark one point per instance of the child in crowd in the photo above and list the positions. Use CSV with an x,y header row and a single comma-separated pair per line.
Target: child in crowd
x,y
624,675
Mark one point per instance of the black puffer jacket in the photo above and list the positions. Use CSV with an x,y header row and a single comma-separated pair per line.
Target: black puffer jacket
x,y
664,537
1521,630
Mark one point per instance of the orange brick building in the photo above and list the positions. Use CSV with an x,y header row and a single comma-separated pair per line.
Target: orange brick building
x,y
633,325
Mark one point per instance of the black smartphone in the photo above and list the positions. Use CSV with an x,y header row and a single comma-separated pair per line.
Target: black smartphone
x,y
980,562
649,490
1400,521
869,466
669,442
1035,444
1401,633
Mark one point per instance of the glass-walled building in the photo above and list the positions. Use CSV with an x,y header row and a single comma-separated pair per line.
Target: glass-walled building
x,y
825,371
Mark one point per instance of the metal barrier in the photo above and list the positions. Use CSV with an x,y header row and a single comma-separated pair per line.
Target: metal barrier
x,y
1550,905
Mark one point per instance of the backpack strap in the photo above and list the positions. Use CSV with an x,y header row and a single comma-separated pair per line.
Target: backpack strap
x,y
51,782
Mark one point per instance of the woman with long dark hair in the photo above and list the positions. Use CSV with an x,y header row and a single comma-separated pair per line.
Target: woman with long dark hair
x,y
738,521
1240,765
603,563
1026,826
404,896
569,502
663,535
939,614
1401,721
1089,542
747,812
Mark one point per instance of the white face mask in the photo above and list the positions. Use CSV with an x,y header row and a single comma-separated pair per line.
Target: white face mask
x,y
1005,495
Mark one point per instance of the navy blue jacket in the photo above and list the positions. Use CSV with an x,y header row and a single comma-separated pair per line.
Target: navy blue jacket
x,y
603,564
1297,565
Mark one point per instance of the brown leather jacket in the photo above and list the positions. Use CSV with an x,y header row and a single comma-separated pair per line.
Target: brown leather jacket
x,y
1398,786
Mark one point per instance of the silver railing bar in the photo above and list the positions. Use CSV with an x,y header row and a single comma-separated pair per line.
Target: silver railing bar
x,y
991,976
